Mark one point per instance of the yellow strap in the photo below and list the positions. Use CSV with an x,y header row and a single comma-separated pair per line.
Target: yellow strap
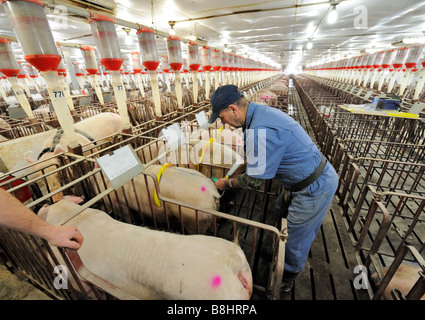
x,y
205,149
403,114
158,176
219,132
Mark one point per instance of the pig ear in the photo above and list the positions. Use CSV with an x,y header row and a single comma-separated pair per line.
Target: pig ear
x,y
58,149
42,213
28,158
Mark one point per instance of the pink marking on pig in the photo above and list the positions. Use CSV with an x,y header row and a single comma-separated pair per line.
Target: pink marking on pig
x,y
203,189
239,141
215,282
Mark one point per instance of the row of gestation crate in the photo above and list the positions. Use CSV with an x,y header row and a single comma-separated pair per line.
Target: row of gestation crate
x,y
242,215
381,193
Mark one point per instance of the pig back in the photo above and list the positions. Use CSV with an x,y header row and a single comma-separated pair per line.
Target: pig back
x,y
101,125
180,184
152,264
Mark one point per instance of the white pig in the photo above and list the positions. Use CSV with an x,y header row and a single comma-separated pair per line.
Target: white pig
x,y
230,138
205,152
150,264
181,184
97,127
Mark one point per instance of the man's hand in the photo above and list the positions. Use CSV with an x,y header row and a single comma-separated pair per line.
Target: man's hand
x,y
222,184
65,236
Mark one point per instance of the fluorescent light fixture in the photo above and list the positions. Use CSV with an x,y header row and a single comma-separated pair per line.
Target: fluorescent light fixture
x,y
309,45
333,15
414,40
371,50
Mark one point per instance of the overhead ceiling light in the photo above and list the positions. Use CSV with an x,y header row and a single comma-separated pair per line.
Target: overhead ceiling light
x,y
172,32
309,45
333,15
414,40
226,49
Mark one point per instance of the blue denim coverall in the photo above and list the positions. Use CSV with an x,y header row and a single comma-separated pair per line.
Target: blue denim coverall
x,y
277,147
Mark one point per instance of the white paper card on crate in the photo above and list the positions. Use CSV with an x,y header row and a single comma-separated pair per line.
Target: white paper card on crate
x,y
11,100
127,87
75,92
202,120
121,165
105,89
37,97
174,136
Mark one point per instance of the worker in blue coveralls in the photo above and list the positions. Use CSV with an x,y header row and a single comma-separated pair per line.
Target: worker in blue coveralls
x,y
276,146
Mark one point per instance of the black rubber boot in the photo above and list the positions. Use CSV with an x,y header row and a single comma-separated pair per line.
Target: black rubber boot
x,y
288,281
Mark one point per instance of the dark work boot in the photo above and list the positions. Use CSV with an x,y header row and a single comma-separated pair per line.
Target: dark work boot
x,y
288,281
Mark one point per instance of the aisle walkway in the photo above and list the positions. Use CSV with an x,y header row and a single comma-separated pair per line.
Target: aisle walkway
x,y
329,271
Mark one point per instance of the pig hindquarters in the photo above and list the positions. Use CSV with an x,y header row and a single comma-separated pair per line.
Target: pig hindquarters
x,y
153,264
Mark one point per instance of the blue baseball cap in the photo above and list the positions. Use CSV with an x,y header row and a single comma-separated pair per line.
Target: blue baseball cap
x,y
223,97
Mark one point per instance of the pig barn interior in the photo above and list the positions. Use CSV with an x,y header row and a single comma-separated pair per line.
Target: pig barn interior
x,y
350,72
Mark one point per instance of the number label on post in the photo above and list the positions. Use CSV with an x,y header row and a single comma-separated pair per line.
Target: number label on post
x,y
59,94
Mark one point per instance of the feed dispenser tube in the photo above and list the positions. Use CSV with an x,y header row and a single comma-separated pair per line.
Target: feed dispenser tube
x,y
33,32
9,67
137,68
62,79
369,68
420,83
91,67
106,39
377,67
147,44
194,63
411,62
207,66
399,61
224,67
2,92
216,63
165,66
175,61
386,64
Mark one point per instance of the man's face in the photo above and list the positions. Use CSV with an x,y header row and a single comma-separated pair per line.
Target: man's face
x,y
231,116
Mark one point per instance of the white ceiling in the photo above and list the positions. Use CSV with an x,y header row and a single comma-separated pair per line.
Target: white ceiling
x,y
274,31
